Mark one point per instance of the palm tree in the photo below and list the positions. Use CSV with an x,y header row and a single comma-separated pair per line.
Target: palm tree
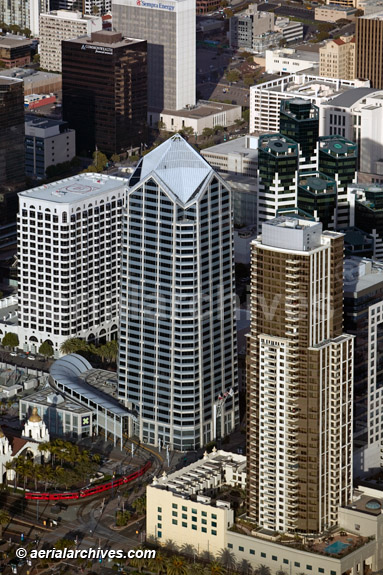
x,y
72,345
158,564
215,568
4,520
188,549
170,545
196,569
138,564
227,559
176,566
8,466
245,568
263,570
207,556
44,448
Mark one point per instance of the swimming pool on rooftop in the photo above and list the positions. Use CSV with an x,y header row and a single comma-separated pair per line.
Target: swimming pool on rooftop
x,y
336,547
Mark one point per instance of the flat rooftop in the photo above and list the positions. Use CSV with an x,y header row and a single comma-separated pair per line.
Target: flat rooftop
x,y
235,146
203,109
361,275
40,122
367,504
373,16
6,42
4,81
75,189
298,55
50,398
104,43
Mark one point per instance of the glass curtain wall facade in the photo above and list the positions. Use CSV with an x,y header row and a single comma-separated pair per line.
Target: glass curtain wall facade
x,y
299,120
317,196
177,342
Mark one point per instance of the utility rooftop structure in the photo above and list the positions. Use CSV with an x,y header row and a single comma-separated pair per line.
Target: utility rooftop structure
x,y
177,351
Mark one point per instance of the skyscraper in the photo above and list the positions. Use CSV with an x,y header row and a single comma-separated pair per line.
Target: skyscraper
x,y
177,356
300,376
277,172
299,120
12,170
338,159
69,237
104,81
170,30
369,48
317,197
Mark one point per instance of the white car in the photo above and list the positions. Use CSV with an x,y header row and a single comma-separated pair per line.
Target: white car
x,y
31,357
13,353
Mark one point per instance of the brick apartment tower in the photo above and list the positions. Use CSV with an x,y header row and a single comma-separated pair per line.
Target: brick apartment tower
x,y
299,379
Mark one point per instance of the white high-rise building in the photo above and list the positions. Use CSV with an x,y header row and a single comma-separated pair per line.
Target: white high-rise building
x,y
178,357
69,236
60,25
300,379
170,30
24,14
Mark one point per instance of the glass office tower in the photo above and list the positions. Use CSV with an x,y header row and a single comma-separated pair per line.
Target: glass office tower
x,y
178,354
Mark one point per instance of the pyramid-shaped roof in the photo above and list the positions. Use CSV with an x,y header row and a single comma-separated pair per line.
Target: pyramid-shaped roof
x,y
178,165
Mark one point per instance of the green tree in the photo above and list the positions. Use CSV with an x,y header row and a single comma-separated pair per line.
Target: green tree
x,y
36,59
64,543
245,568
249,80
139,505
11,340
46,349
115,158
72,345
263,570
122,518
4,520
99,161
246,115
176,565
215,568
227,559
232,75
158,563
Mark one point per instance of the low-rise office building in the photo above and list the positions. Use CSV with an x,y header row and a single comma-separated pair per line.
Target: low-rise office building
x,y
15,51
204,114
333,12
47,143
289,61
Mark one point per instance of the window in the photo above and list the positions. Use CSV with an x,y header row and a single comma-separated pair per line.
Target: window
x,y
296,564
241,548
213,516
204,530
309,567
274,558
213,532
332,572
214,524
194,511
252,552
230,545
184,516
194,527
159,509
159,517
320,569
174,506
263,555
159,525
174,522
184,524
159,534
286,561
204,514
184,508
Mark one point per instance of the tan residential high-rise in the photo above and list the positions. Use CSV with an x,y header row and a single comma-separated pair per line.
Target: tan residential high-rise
x,y
337,58
300,377
369,49
60,25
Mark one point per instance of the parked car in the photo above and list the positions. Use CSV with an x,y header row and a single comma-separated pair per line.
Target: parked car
x,y
32,357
